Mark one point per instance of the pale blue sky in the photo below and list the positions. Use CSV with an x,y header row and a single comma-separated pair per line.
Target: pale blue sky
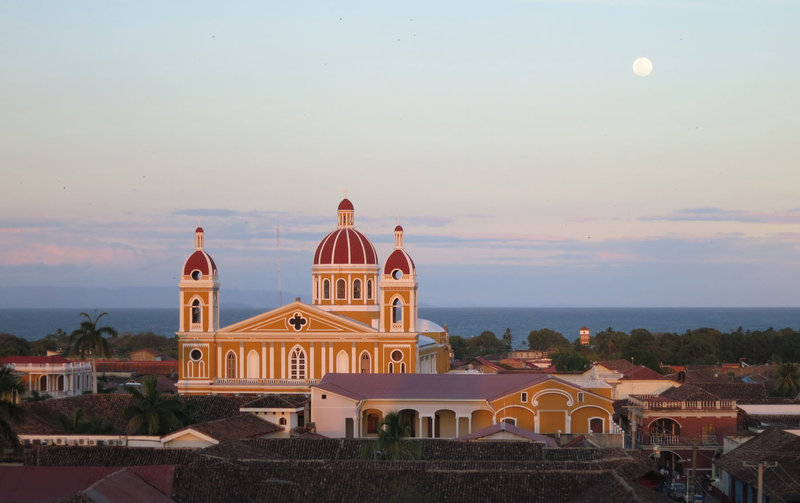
x,y
526,161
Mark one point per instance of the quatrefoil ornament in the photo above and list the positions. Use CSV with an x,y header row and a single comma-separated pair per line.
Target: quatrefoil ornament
x,y
297,321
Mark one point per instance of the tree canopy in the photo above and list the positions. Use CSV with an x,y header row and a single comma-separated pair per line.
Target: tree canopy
x,y
11,414
151,413
543,339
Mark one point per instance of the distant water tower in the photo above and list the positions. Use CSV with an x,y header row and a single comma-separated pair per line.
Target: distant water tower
x,y
585,334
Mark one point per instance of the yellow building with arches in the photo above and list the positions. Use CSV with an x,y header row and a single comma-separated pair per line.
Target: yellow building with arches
x,y
362,320
456,405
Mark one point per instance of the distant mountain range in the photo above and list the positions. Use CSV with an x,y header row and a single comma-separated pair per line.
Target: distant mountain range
x,y
131,297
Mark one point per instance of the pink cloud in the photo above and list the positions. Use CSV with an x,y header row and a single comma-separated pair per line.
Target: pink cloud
x,y
36,253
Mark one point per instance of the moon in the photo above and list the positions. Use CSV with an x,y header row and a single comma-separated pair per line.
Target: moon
x,y
642,67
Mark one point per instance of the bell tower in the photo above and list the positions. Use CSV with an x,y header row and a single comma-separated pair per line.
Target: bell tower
x,y
199,290
399,290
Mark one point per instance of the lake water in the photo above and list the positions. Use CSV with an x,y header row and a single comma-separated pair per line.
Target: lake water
x,y
464,321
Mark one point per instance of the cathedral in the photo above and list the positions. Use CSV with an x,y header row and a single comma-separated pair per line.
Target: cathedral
x,y
362,319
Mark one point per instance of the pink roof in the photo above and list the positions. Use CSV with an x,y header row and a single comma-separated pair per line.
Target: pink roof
x,y
516,430
345,246
642,373
430,386
34,359
57,483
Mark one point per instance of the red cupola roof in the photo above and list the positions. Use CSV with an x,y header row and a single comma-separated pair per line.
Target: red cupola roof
x,y
200,260
345,245
399,259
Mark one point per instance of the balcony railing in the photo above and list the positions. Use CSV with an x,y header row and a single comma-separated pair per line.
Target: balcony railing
x,y
650,403
264,382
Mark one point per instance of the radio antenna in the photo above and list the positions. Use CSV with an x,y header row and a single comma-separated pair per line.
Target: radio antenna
x,y
280,279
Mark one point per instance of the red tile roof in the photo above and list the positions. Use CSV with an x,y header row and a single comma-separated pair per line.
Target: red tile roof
x,y
430,386
34,359
642,373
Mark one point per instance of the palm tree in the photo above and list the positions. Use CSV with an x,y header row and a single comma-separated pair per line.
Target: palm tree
x,y
10,412
152,413
390,438
88,339
77,424
787,379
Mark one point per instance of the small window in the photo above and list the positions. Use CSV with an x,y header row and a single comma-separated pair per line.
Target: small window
x,y
324,396
341,289
196,355
397,274
580,396
282,421
397,311
196,311
510,420
196,275
524,397
391,368
403,368
357,289
326,289
397,355
369,289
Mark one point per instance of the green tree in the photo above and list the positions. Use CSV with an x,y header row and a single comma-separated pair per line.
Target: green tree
x,y
11,414
11,345
151,413
609,344
508,339
90,340
787,380
390,439
566,360
642,348
544,339
77,423
459,346
36,396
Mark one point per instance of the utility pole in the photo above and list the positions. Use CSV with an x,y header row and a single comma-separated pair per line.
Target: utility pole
x,y
761,466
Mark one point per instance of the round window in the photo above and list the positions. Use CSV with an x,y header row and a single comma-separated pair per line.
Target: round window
x,y
195,355
397,274
397,355
196,275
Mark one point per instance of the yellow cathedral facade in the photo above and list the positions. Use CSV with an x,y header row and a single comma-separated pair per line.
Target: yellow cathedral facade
x,y
362,320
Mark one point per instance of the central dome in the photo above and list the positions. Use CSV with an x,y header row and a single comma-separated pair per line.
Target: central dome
x,y
345,245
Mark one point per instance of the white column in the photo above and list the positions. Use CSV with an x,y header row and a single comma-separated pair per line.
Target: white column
x,y
353,358
219,360
283,360
536,423
272,360
330,357
311,360
375,367
568,422
419,431
322,360
242,373
263,360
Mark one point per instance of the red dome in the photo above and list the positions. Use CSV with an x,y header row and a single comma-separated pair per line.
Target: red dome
x,y
399,228
200,261
345,205
345,246
401,260
199,229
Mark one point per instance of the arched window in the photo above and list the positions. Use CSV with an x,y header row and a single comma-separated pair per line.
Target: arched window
x,y
596,425
297,364
357,289
195,311
230,365
282,421
369,289
60,383
397,311
403,368
43,383
391,368
326,289
365,367
341,289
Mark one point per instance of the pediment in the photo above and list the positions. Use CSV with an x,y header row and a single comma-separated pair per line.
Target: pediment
x,y
297,318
